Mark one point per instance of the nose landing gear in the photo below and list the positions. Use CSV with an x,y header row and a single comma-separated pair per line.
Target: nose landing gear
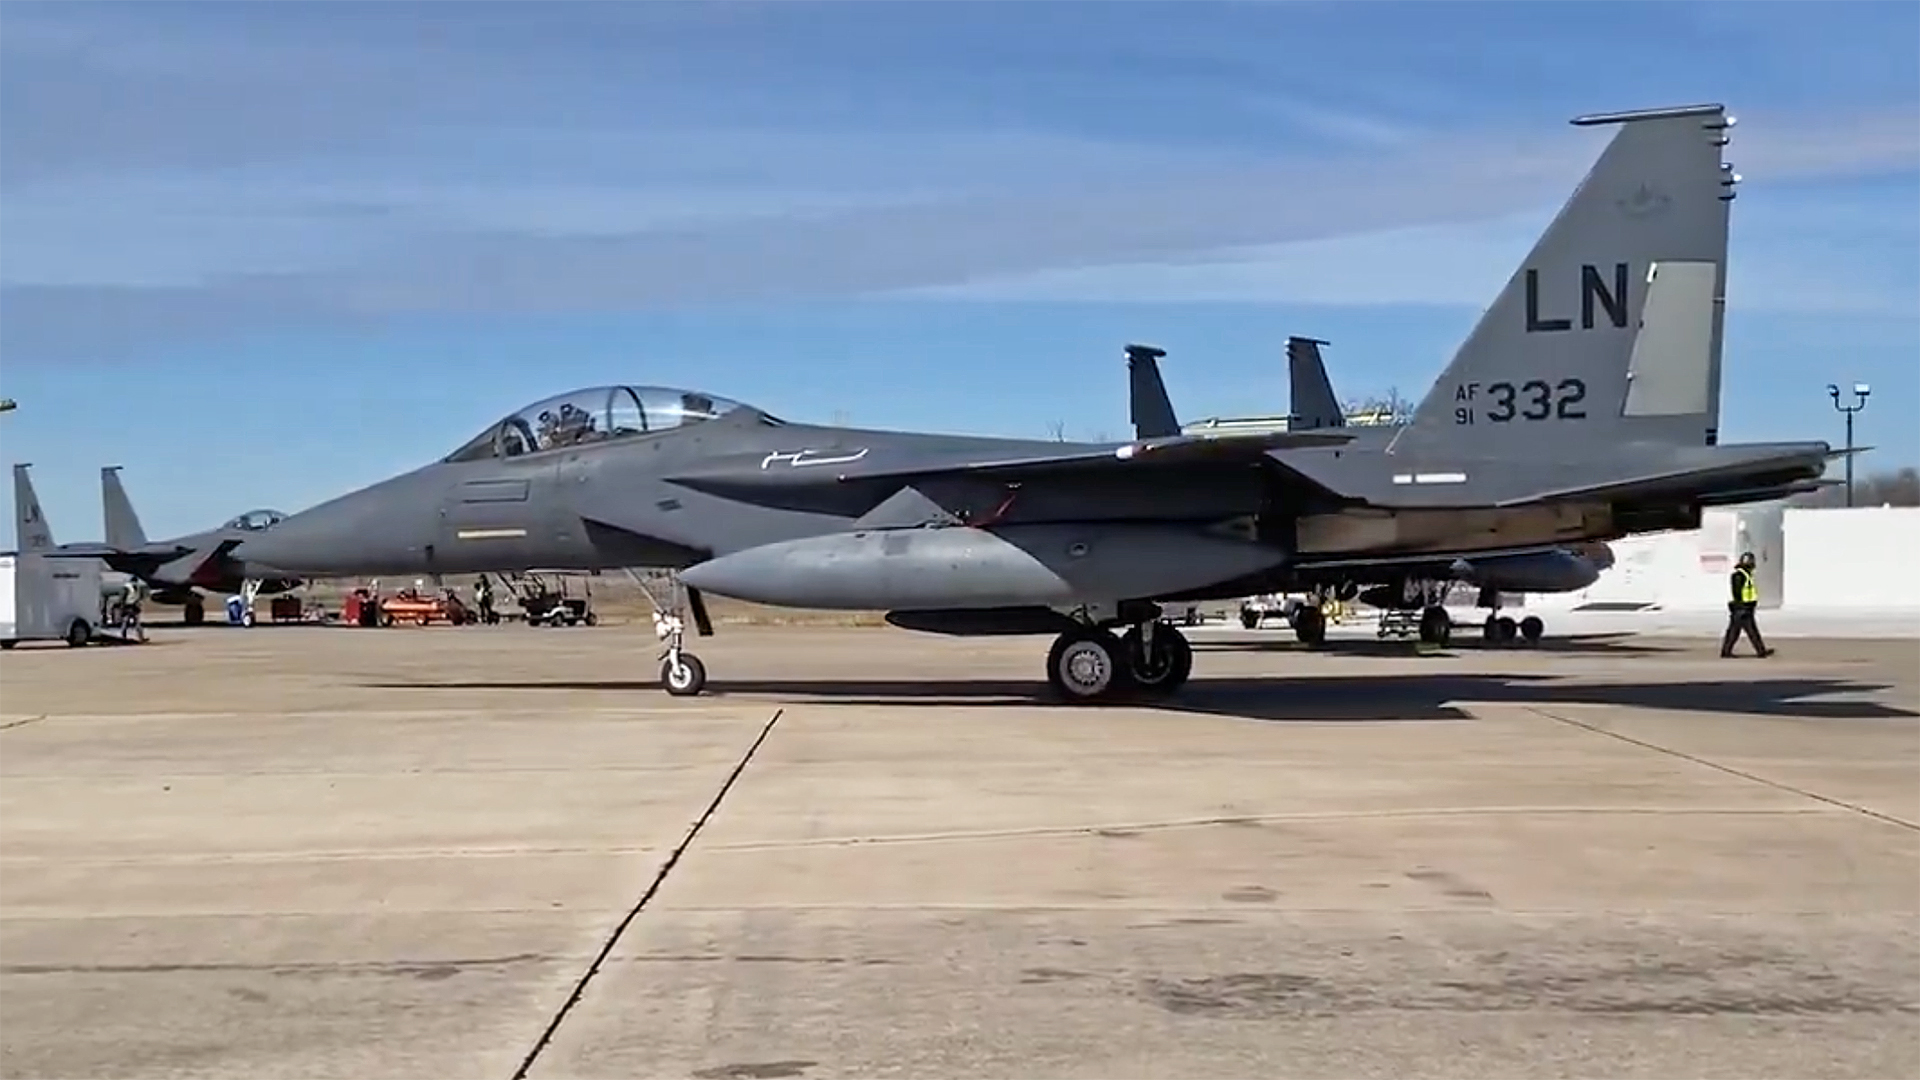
x,y
681,672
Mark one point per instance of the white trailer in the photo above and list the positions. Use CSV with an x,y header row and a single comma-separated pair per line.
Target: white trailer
x,y
44,599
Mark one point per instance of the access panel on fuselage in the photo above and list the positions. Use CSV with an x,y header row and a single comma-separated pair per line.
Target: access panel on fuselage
x,y
493,521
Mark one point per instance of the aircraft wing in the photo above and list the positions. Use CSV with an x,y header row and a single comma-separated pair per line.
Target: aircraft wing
x,y
93,549
798,471
1228,448
172,563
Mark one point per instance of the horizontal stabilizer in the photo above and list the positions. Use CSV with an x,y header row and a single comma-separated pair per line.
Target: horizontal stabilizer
x,y
1764,469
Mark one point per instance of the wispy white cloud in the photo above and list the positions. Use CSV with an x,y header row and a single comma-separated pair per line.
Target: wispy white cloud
x,y
1806,255
168,179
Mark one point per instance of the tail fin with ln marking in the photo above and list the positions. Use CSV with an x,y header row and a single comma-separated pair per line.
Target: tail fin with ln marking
x,y
30,529
1610,330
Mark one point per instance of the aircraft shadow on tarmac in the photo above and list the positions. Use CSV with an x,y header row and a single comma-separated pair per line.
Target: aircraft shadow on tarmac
x,y
1621,644
1344,698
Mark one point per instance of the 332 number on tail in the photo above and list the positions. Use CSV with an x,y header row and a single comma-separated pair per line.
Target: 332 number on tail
x,y
1505,402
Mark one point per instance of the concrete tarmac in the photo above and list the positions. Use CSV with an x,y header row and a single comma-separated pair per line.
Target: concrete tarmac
x,y
500,852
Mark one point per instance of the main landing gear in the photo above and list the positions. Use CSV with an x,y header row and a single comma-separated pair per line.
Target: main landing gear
x,y
681,672
1501,629
1092,663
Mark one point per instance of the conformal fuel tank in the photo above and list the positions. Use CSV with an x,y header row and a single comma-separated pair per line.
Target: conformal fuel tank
x,y
960,567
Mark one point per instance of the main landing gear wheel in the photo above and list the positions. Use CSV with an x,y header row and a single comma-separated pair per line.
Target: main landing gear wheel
x,y
684,675
1531,628
1159,665
1500,630
1087,664
1436,626
1310,624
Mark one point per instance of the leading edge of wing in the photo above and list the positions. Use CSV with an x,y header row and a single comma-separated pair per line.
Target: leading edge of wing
x,y
1227,449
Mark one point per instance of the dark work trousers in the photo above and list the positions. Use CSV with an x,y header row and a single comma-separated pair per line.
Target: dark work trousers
x,y
1740,617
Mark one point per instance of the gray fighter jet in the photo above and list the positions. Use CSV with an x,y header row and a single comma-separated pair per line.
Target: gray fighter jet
x,y
1579,409
1402,588
177,569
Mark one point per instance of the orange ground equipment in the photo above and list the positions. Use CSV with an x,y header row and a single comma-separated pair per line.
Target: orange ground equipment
x,y
408,606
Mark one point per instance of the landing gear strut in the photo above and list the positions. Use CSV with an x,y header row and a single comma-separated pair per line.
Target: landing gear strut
x,y
681,672
1092,663
249,592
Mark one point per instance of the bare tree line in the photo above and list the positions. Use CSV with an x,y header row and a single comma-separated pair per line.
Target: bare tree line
x,y
1900,487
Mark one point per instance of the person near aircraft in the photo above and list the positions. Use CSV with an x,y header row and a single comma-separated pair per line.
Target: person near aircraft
x,y
1741,607
130,600
483,598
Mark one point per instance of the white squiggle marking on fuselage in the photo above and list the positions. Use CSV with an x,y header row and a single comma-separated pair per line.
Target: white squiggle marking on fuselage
x,y
801,458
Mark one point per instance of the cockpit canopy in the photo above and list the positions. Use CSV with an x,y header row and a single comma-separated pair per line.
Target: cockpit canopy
x,y
582,417
256,520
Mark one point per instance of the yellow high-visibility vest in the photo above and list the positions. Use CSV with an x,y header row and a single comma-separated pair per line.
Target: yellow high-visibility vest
x,y
1749,594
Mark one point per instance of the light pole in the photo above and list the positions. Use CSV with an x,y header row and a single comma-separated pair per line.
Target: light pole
x,y
1860,392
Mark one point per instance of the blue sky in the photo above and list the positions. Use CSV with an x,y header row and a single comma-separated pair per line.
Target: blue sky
x,y
263,253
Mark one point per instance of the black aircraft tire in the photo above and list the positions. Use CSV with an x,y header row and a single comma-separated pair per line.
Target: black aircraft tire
x,y
688,681
1504,630
1436,626
1087,664
1310,625
1182,663
195,614
1167,669
78,633
1250,618
1532,628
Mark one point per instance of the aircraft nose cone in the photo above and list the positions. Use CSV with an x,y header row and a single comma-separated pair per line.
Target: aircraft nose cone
x,y
382,529
293,547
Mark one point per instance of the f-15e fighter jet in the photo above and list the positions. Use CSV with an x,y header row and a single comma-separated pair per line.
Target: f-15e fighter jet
x,y
1579,409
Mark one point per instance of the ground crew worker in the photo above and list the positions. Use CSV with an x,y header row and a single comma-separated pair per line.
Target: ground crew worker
x,y
1740,608
483,596
130,599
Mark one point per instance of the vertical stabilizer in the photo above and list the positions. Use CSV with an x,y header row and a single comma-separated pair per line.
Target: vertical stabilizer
x,y
1547,369
122,525
1147,400
1310,393
30,529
